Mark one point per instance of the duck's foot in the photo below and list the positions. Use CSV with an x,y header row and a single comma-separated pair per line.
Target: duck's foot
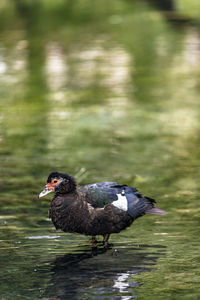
x,y
107,245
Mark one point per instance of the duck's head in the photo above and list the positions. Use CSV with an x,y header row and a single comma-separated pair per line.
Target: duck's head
x,y
59,183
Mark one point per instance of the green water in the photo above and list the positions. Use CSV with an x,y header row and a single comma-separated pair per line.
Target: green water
x,y
103,90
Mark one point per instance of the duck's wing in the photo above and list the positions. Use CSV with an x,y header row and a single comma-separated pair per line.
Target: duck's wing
x,y
121,196
124,197
99,194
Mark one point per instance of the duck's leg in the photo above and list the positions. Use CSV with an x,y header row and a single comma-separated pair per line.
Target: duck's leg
x,y
106,238
94,240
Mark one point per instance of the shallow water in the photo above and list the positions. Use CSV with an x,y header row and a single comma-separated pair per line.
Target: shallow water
x,y
103,92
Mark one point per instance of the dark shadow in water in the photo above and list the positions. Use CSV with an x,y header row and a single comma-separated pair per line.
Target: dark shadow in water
x,y
164,5
90,273
171,14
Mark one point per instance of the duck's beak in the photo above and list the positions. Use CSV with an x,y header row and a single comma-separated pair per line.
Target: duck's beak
x,y
48,189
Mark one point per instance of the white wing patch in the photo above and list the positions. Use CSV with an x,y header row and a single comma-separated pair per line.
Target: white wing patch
x,y
121,203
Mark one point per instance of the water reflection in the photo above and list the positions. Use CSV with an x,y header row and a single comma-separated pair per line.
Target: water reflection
x,y
109,272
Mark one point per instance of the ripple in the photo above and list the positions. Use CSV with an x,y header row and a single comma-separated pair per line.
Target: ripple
x,y
37,237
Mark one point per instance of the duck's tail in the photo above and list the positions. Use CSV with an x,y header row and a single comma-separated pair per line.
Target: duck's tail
x,y
156,211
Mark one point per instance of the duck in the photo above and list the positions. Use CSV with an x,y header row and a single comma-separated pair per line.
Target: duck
x,y
95,209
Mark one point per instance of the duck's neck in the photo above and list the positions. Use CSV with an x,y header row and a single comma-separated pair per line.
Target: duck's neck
x,y
69,195
69,201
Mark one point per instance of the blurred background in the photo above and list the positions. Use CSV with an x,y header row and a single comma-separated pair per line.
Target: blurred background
x,y
102,90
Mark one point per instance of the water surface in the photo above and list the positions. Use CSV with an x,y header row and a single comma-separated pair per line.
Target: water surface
x,y
103,92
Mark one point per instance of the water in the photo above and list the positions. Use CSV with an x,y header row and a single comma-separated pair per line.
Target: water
x,y
103,91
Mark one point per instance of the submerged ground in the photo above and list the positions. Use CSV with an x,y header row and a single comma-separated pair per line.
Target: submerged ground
x,y
104,91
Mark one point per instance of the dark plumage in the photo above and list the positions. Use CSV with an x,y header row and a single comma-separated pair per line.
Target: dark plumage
x,y
95,209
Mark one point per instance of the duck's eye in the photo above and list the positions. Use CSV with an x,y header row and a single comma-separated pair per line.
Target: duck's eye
x,y
55,181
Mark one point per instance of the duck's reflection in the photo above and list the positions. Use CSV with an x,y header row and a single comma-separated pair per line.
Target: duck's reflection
x,y
108,272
